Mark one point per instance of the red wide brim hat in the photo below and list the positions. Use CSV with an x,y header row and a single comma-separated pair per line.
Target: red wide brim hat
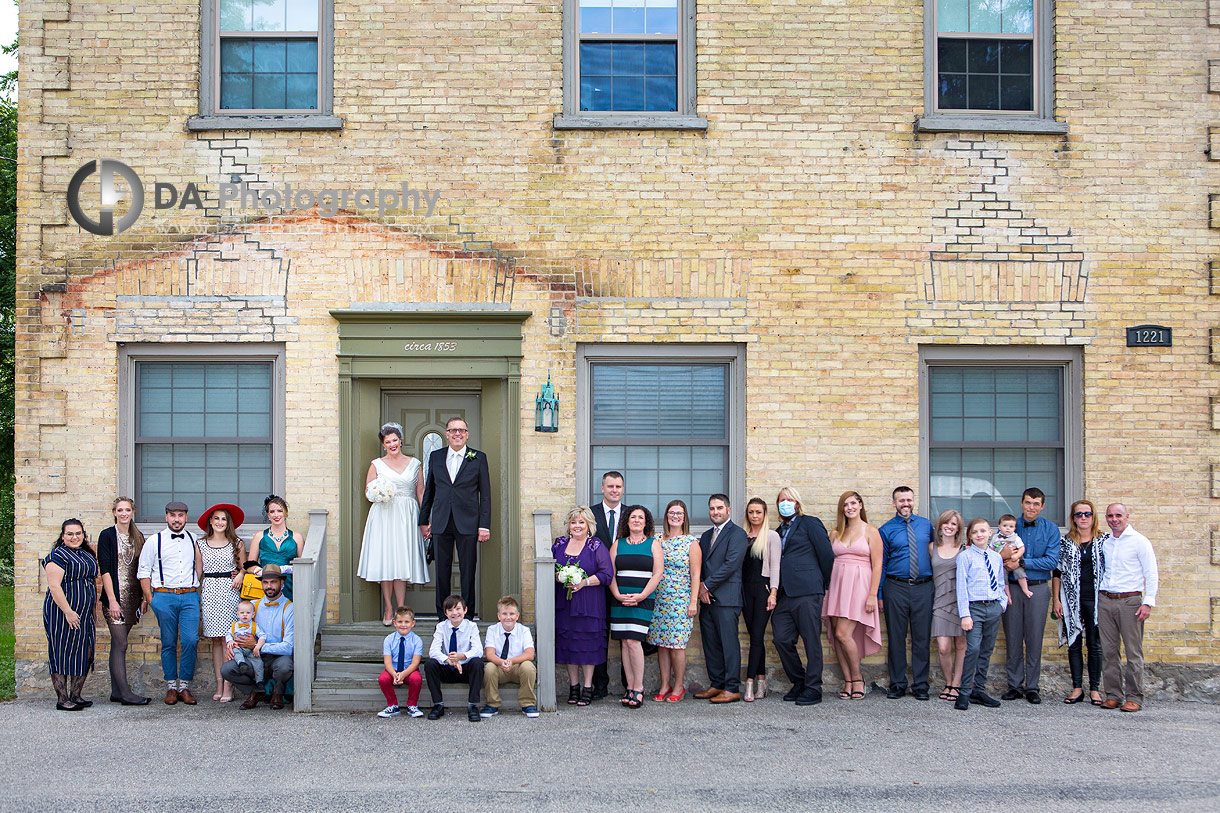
x,y
236,514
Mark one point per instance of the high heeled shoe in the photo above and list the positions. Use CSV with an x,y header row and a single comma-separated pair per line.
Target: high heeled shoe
x,y
760,689
573,694
748,695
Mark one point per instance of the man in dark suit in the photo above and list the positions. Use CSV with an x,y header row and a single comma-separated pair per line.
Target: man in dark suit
x,y
804,571
457,504
723,547
607,513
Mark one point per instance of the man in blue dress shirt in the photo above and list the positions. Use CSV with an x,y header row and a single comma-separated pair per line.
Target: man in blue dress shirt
x,y
906,594
1025,618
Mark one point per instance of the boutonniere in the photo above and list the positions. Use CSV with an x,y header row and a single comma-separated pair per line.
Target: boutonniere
x,y
471,455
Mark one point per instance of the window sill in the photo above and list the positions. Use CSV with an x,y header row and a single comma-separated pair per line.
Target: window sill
x,y
955,122
631,121
286,121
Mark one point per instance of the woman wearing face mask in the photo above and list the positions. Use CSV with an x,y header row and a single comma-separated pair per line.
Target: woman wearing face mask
x,y
759,573
805,564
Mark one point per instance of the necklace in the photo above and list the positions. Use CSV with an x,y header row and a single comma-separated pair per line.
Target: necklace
x,y
278,540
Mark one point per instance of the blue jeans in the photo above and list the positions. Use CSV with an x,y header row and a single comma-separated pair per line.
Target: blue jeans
x,y
980,641
178,616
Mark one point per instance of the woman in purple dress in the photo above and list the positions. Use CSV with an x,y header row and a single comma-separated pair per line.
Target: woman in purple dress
x,y
580,621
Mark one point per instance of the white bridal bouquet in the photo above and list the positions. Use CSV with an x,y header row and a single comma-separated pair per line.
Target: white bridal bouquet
x,y
570,575
380,490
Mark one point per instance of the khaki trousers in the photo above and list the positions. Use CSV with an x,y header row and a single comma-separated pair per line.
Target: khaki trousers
x,y
524,675
1116,622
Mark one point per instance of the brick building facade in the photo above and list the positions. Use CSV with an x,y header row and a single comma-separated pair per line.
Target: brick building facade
x,y
842,249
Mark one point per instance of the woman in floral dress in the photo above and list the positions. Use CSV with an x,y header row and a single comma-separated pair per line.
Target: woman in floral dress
x,y
677,601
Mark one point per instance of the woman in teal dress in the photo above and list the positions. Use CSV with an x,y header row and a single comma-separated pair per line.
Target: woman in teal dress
x,y
277,545
677,601
638,565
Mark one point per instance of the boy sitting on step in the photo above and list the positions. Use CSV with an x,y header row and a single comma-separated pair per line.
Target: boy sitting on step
x,y
508,654
456,656
401,652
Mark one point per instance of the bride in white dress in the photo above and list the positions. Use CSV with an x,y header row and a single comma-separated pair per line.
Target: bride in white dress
x,y
392,552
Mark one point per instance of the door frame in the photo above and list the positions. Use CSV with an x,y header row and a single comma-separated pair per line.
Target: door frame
x,y
385,350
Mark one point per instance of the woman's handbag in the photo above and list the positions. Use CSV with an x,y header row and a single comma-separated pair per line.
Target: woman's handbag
x,y
251,587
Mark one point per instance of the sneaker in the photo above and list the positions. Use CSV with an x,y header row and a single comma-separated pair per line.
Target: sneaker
x,y
389,711
414,711
530,711
489,711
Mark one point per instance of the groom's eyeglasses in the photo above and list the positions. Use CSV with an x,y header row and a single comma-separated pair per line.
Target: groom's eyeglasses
x,y
458,431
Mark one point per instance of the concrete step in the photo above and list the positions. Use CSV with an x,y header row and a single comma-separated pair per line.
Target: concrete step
x,y
349,695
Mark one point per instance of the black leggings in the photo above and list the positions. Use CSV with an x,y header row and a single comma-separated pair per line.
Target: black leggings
x,y
757,617
1091,638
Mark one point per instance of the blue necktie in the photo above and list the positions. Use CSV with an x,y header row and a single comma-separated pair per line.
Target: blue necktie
x,y
401,662
995,587
504,649
453,640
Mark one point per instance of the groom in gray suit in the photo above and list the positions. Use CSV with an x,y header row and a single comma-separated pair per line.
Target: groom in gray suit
x,y
723,547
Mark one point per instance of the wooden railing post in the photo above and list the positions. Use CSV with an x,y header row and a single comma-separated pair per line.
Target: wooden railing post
x,y
544,609
308,607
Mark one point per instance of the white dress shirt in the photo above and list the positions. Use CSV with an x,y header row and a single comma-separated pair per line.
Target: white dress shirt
x,y
1129,565
468,643
519,640
453,461
177,560
613,526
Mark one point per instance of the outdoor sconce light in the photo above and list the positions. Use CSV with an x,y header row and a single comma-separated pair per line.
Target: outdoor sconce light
x,y
546,409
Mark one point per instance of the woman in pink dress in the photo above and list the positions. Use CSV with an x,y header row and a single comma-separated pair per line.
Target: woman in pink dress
x,y
851,598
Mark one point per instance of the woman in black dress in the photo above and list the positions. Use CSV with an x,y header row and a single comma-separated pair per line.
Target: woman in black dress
x,y
118,555
67,614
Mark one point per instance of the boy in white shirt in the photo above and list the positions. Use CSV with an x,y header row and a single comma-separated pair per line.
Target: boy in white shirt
x,y
508,653
456,656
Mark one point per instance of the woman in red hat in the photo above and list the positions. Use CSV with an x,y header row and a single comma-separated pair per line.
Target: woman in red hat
x,y
223,555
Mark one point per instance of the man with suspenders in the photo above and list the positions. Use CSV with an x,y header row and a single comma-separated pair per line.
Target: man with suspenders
x,y
169,571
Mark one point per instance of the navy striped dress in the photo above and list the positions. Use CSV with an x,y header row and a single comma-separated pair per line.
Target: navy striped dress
x,y
71,650
632,570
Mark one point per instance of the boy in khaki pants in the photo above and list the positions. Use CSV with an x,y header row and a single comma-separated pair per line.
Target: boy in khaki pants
x,y
508,657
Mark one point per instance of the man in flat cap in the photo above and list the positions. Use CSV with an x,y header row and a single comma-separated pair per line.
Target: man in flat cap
x,y
169,571
272,615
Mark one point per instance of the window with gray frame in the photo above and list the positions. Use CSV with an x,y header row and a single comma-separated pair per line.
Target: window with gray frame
x,y
665,427
994,431
266,63
989,66
629,63
203,434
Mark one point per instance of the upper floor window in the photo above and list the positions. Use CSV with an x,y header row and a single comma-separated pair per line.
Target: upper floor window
x,y
989,66
269,55
629,63
266,64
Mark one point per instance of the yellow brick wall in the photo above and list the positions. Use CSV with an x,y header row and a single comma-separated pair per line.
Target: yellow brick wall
x,y
810,223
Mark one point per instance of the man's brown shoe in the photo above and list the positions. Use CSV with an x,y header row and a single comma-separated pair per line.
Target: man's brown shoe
x,y
186,697
252,700
171,697
708,693
727,697
1110,703
277,700
1130,705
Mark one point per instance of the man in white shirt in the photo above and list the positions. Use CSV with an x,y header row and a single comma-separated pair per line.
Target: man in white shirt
x,y
169,571
1126,596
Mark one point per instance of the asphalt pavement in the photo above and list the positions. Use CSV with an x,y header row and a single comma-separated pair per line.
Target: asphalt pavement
x,y
873,754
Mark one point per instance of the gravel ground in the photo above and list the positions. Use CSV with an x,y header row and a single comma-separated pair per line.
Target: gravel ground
x,y
875,754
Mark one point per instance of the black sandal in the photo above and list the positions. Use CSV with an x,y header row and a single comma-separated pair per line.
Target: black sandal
x,y
586,696
634,700
950,693
573,694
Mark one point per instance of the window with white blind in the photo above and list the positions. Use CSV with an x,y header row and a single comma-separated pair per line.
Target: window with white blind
x,y
204,428
995,427
669,419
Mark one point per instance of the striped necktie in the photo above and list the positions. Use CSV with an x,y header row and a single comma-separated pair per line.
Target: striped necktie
x,y
912,550
995,586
